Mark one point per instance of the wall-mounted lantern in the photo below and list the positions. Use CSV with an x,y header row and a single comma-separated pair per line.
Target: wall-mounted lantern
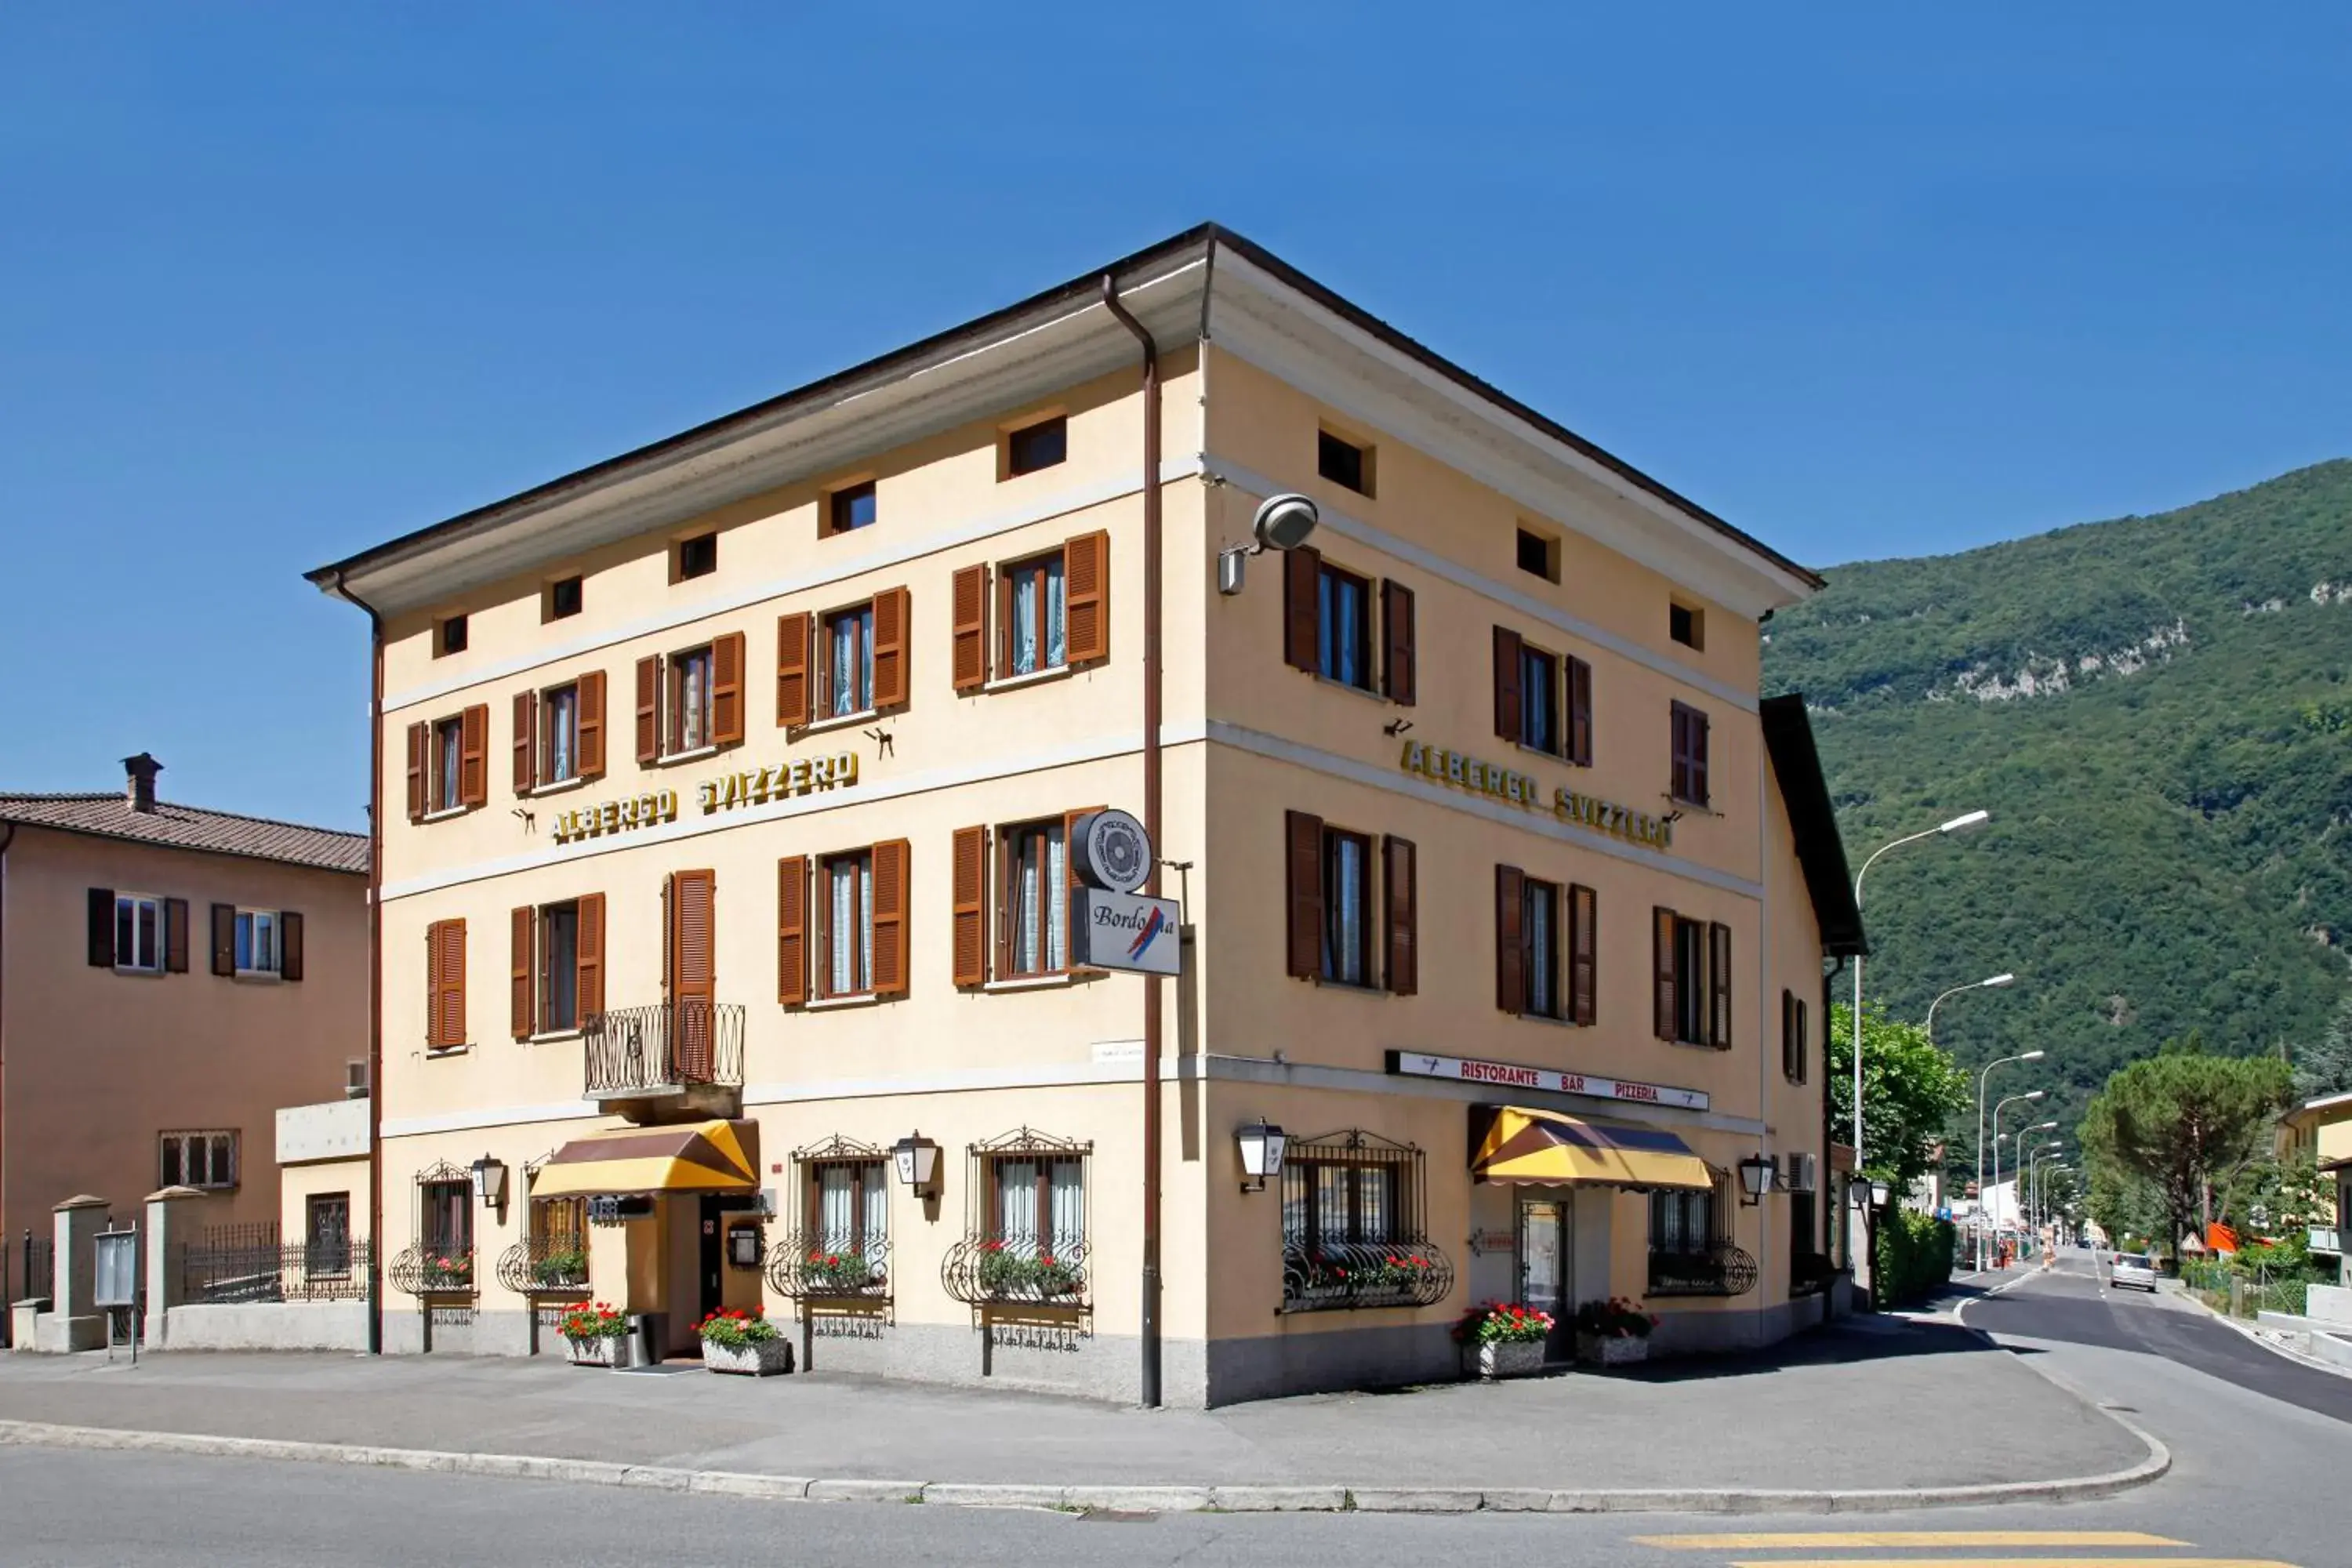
x,y
1262,1144
1879,1192
490,1182
917,1159
1756,1173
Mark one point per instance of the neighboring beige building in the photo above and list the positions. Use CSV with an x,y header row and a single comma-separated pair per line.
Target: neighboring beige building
x,y
169,977
726,795
2324,1128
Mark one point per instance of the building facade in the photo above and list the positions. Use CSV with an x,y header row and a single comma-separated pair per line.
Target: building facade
x,y
2322,1127
728,792
169,976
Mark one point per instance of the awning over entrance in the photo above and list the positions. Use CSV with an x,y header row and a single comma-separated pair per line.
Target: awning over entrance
x,y
1544,1146
694,1157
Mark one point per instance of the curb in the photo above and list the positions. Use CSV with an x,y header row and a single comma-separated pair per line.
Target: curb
x,y
2247,1331
2160,1457
1102,1498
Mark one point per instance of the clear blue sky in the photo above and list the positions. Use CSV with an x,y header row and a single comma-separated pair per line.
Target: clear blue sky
x,y
278,282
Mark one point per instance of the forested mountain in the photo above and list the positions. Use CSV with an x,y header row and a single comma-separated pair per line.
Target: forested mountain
x,y
2157,712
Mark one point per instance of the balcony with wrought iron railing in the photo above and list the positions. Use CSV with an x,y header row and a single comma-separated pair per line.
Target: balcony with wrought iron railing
x,y
1721,1269
691,1050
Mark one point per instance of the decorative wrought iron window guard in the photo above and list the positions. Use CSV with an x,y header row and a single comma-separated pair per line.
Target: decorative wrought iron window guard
x,y
992,1267
1722,1269
816,1264
662,1048
1385,1257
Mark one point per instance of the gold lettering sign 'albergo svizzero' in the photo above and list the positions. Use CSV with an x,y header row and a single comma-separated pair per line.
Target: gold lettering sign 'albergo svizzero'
x,y
753,786
1467,773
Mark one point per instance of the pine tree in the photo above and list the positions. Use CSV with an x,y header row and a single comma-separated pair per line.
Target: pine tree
x,y
2325,1068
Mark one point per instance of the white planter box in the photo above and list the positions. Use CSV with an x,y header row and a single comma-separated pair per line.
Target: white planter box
x,y
1595,1350
602,1351
1521,1359
765,1358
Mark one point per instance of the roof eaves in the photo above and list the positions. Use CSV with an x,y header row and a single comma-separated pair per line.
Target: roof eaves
x,y
1812,820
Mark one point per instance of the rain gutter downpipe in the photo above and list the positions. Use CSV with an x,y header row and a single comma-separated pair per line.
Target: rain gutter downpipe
x,y
7,836
1148,1381
375,969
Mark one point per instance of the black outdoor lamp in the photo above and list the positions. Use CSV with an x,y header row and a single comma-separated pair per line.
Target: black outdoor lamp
x,y
490,1182
917,1159
1756,1173
1262,1144
1879,1192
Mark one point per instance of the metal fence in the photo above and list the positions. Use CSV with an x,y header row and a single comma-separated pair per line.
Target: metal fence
x,y
638,1050
261,1269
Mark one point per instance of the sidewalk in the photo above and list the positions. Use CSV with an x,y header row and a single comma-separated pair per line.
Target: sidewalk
x,y
1873,1404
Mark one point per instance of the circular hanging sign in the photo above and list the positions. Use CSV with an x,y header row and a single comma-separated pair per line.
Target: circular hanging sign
x,y
1109,850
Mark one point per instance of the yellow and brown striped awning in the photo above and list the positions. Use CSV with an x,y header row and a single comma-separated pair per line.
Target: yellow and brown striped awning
x,y
694,1157
1544,1146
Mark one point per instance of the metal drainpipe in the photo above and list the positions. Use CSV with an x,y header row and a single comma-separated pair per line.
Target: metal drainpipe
x,y
375,971
1825,1180
7,836
1148,1381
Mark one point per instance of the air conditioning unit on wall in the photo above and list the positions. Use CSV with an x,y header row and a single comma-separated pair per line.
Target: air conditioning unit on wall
x,y
1798,1172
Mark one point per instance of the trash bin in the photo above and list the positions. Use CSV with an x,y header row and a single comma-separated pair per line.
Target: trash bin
x,y
648,1338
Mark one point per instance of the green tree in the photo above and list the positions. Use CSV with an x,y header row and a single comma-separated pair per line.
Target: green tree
x,y
1911,1093
2182,1121
2325,1068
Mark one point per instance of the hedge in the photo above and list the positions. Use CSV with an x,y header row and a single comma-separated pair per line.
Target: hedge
x,y
1913,1256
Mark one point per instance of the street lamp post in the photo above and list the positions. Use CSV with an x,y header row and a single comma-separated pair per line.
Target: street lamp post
x,y
1998,1106
1955,991
1981,1190
2034,1172
2023,1168
1955,824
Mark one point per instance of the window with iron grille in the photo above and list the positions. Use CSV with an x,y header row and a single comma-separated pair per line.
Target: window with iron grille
x,y
207,1160
1352,1226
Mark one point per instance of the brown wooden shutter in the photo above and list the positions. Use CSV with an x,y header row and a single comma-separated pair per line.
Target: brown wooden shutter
x,y
526,742
1695,723
891,620
1579,712
521,1002
1804,1043
694,972
1661,972
649,685
1718,985
1401,894
588,958
289,945
473,756
1397,673
1070,877
101,927
444,982
1787,1035
433,985
223,938
791,930
1583,955
1086,598
727,689
175,936
792,671
971,613
1507,670
1511,939
1301,570
891,879
969,905
1303,857
1678,753
590,748
420,746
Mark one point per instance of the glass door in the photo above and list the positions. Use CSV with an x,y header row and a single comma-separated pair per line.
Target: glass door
x,y
1541,1254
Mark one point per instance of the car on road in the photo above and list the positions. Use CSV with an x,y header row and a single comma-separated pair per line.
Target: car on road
x,y
2135,1269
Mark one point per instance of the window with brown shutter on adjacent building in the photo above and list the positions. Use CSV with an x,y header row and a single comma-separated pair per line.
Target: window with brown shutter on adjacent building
x,y
1031,616
137,934
691,702
257,943
444,985
1346,628
1350,916
1543,700
1691,973
1795,1048
448,763
1686,778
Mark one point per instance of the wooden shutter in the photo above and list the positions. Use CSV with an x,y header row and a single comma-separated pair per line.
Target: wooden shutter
x,y
1718,985
175,936
971,613
1507,669
101,927
1511,939
223,938
588,954
590,746
1070,877
420,746
1397,672
1789,1035
521,1004
1402,895
1661,972
445,985
1804,1043
649,685
891,620
791,930
727,689
1303,857
526,742
890,878
1583,955
792,671
694,972
969,905
1301,571
289,945
1695,723
1579,712
1086,598
473,756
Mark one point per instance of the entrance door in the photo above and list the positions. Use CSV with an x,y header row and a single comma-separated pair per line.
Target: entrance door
x,y
709,1259
1543,1258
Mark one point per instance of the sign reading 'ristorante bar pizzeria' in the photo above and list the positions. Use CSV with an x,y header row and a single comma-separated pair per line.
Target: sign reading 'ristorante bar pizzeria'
x,y
1515,788
1514,1074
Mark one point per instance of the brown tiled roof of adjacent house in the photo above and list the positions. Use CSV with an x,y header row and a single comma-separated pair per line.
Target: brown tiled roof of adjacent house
x,y
190,828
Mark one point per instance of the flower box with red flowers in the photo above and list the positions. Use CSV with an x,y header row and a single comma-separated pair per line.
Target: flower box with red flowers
x,y
1614,1332
735,1341
1503,1339
592,1334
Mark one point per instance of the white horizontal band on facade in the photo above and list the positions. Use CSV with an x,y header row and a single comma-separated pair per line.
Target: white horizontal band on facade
x,y
1461,576
1089,1075
838,569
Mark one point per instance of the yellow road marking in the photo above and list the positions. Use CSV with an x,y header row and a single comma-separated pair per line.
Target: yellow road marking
x,y
2012,1562
1851,1538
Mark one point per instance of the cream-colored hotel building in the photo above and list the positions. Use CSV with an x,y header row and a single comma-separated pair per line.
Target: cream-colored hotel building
x,y
724,792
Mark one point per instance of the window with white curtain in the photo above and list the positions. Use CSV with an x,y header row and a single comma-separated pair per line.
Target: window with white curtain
x,y
1041,1203
1347,907
1036,928
852,1206
849,661
559,720
846,924
1035,607
1540,929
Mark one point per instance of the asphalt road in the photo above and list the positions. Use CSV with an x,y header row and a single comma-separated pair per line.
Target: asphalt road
x,y
2261,1449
